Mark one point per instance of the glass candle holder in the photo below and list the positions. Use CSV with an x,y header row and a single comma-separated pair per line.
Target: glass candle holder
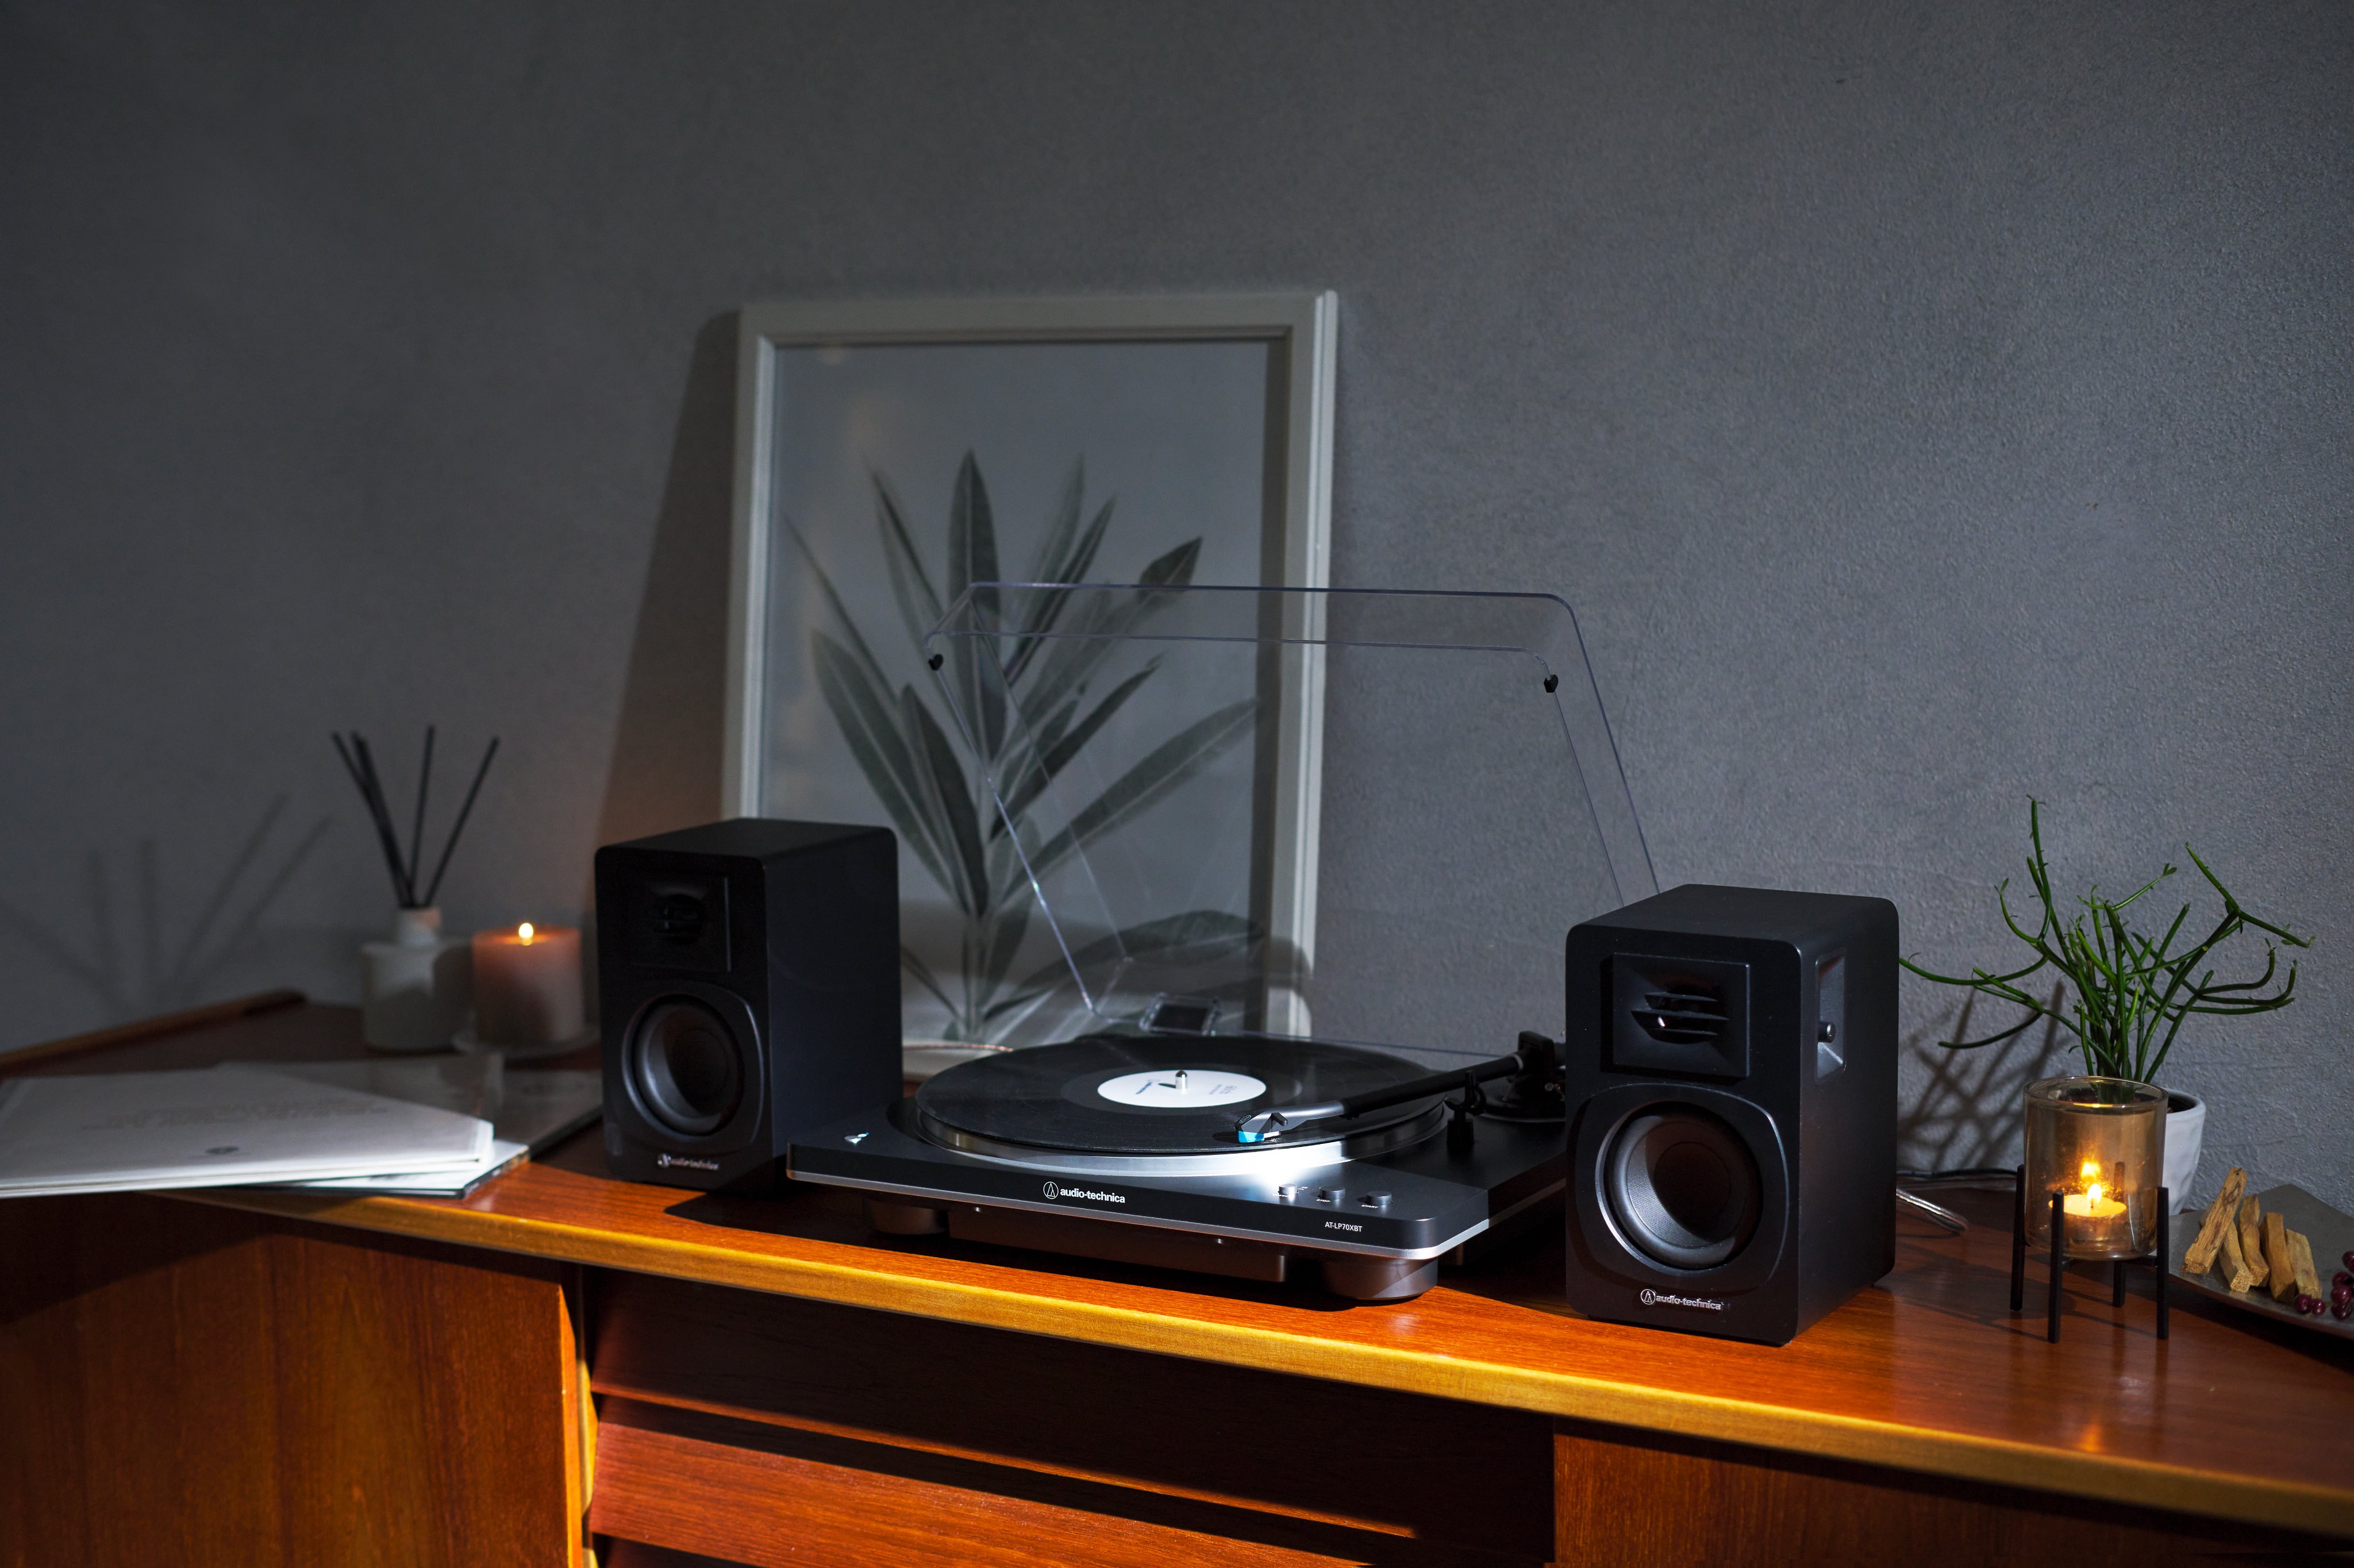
x,y
2101,1144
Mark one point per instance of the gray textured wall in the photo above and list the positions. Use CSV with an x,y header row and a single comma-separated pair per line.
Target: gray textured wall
x,y
1923,410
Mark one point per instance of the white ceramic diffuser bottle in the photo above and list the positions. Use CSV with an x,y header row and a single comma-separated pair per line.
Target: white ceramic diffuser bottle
x,y
416,989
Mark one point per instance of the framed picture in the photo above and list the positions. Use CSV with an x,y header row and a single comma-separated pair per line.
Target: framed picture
x,y
891,453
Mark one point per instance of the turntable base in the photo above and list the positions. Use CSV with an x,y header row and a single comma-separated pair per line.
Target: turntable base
x,y
1125,1148
1359,1279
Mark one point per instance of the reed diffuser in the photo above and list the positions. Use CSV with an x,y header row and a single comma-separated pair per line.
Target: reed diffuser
x,y
415,989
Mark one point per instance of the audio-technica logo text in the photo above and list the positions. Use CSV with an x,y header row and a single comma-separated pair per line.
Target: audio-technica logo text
x,y
1661,1299
1054,1193
669,1160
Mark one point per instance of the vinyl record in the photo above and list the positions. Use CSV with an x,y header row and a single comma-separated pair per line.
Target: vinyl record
x,y
1151,1095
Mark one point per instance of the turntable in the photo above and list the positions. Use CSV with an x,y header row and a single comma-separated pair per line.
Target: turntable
x,y
1296,1004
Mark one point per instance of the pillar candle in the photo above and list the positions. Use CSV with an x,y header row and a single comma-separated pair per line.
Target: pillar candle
x,y
528,986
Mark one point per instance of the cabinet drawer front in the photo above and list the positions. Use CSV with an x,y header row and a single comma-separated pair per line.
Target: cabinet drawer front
x,y
1019,1430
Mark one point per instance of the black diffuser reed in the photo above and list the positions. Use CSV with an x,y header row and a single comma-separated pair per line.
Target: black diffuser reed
x,y
361,764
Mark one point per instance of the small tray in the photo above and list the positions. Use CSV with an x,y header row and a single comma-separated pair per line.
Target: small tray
x,y
2330,1232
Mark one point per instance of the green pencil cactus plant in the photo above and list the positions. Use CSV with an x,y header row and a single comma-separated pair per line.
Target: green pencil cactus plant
x,y
2132,991
1046,671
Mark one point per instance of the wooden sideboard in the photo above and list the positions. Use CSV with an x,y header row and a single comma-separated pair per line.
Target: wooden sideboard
x,y
564,1365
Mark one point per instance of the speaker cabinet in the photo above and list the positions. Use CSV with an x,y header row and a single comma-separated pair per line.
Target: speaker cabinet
x,y
748,979
1730,1079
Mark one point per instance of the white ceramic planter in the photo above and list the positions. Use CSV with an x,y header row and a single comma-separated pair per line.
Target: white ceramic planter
x,y
415,989
2186,1129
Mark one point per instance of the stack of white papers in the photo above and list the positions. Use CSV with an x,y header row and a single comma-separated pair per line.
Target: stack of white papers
x,y
220,1126
531,1109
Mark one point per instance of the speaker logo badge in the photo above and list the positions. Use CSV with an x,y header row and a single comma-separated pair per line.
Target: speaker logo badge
x,y
854,1138
1054,1193
666,1161
1650,1297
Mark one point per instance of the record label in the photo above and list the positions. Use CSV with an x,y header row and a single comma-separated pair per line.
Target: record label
x,y
1182,1086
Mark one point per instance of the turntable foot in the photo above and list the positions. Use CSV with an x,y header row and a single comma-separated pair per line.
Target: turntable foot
x,y
1379,1278
903,1219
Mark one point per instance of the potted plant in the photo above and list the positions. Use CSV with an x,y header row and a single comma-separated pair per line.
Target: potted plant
x,y
2132,990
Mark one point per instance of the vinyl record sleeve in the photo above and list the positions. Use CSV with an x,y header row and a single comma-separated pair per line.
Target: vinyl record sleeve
x,y
212,1128
531,1110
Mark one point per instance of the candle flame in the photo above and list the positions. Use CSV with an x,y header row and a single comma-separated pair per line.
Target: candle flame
x,y
2090,1169
2093,1195
523,931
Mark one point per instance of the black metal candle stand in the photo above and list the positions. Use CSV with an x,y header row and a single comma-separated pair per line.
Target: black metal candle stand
x,y
2117,1267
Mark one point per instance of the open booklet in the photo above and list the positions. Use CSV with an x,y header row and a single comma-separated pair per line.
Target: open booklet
x,y
226,1126
530,1110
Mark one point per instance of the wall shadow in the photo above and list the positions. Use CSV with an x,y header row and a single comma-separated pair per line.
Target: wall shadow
x,y
1967,1116
667,749
133,958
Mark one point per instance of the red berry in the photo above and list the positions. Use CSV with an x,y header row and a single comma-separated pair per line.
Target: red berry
x,y
2344,1309
2340,1280
2348,1259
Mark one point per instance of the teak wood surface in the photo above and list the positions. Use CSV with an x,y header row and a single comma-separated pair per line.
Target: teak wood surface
x,y
198,1385
1927,1373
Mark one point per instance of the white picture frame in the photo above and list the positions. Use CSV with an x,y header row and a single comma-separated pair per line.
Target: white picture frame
x,y
1293,335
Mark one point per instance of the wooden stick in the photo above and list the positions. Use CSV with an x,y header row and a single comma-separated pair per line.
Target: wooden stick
x,y
2220,1215
2238,1275
193,1018
460,825
2300,1258
364,777
2251,1241
2280,1266
382,804
417,833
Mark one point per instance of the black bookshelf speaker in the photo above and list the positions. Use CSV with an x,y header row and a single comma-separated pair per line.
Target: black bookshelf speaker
x,y
747,980
1731,1082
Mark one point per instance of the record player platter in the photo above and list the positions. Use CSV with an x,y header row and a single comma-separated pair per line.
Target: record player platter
x,y
1108,1105
1127,1148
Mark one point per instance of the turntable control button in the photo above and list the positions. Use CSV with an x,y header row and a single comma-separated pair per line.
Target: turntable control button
x,y
1291,1191
1375,1200
1329,1194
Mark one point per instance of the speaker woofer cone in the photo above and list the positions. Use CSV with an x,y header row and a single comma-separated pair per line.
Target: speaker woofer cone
x,y
1682,1187
686,1066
